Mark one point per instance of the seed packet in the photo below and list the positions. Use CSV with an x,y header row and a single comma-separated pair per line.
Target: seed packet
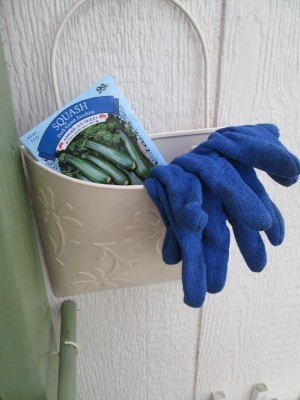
x,y
96,137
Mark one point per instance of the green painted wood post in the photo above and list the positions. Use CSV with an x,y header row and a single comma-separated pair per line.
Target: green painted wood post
x,y
67,352
26,332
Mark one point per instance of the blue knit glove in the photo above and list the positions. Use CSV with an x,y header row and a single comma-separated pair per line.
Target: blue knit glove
x,y
178,198
184,194
174,195
215,237
224,181
215,241
249,241
186,242
257,146
174,191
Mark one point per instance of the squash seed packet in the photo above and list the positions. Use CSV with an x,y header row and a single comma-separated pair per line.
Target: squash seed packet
x,y
96,137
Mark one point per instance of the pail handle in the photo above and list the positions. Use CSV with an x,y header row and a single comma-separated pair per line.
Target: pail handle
x,y
178,5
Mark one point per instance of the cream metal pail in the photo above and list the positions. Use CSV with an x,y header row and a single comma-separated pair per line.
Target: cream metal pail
x,y
97,236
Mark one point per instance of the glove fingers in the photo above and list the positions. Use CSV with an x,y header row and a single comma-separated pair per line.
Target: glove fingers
x,y
171,251
193,270
269,128
256,150
224,181
266,130
251,245
193,266
284,181
216,240
269,132
275,233
151,187
184,195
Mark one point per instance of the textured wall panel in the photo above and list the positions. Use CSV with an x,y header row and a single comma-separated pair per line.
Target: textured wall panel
x,y
148,47
251,330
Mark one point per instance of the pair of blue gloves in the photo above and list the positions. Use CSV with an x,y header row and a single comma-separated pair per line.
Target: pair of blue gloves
x,y
198,192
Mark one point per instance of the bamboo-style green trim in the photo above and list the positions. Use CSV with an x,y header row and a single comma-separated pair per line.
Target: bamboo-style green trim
x,y
67,353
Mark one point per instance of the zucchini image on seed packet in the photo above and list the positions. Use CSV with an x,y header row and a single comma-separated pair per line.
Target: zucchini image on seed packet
x,y
95,138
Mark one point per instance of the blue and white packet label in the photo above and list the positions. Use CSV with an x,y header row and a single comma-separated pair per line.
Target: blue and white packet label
x,y
100,115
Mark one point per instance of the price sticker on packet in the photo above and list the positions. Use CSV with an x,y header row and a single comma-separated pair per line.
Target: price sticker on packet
x,y
96,137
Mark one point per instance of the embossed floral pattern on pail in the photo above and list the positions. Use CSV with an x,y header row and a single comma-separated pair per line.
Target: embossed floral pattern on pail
x,y
95,236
